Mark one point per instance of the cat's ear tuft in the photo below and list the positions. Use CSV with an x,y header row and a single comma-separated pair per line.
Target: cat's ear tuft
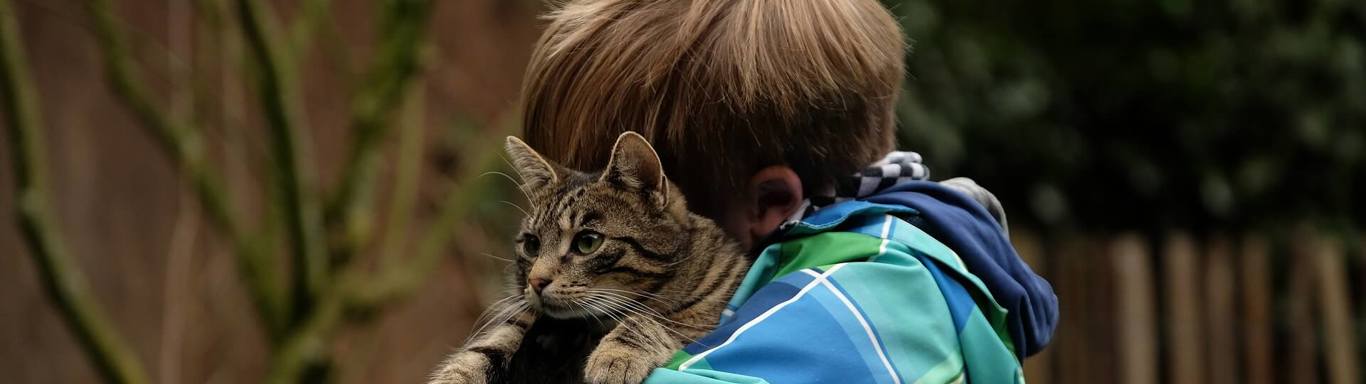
x,y
634,164
534,169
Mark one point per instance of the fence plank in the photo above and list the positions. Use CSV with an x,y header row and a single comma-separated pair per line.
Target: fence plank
x,y
1137,319
1339,337
1086,336
1256,322
1037,368
1221,322
1184,338
1303,341
1071,338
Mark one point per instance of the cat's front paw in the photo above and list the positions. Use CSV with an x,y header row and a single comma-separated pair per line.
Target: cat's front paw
x,y
618,366
463,368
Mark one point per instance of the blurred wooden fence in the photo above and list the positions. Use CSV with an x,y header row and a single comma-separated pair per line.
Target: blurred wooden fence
x,y
165,275
1215,308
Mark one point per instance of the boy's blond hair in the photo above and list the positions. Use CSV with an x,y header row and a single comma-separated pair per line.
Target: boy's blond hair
x,y
722,88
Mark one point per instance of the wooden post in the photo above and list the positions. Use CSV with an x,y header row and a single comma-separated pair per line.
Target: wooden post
x,y
1184,337
1303,356
1071,341
1137,320
1085,350
1221,320
1256,310
1335,309
1037,368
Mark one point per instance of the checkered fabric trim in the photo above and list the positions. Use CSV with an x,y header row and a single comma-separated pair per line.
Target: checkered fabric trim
x,y
894,168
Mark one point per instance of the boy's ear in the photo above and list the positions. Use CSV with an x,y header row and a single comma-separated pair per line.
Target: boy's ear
x,y
534,170
634,164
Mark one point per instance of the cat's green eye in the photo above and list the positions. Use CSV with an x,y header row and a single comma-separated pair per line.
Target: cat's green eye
x,y
531,245
587,241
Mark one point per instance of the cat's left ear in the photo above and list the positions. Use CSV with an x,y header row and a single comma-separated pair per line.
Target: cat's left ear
x,y
634,164
535,171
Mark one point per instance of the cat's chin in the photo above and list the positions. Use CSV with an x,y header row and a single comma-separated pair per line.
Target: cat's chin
x,y
565,311
564,314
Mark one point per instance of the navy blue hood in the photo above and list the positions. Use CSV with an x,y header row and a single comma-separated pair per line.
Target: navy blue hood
x,y
966,227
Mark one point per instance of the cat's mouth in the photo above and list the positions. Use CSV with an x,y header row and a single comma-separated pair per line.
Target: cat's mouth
x,y
562,309
565,308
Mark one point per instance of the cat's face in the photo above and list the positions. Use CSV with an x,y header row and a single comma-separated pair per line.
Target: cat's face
x,y
596,244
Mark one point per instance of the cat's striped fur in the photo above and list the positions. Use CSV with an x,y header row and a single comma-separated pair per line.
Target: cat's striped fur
x,y
656,278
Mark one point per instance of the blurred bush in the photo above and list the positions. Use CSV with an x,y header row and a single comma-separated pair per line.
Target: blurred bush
x,y
1144,114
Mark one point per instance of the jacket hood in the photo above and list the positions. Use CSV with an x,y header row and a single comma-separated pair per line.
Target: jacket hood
x,y
969,220
964,224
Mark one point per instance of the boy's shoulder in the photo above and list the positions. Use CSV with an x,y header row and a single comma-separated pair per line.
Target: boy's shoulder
x,y
873,292
962,220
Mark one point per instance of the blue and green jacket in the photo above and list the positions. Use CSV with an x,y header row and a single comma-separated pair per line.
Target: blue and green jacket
x,y
916,283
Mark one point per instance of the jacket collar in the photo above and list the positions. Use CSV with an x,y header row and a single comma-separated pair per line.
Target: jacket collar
x,y
894,168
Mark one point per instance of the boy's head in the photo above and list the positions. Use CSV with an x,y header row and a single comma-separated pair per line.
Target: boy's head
x,y
749,102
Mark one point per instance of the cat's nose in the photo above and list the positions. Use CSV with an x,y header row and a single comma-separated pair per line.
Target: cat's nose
x,y
537,284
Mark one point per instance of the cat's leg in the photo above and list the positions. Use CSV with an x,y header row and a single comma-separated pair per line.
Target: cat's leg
x,y
487,355
628,353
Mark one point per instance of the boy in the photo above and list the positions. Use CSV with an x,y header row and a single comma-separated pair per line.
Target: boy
x,y
768,114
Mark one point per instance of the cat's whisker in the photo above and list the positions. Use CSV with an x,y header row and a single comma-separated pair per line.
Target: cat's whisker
x,y
503,174
496,306
619,307
661,342
635,325
503,313
605,307
661,301
586,307
509,164
502,316
519,208
676,333
492,256
587,310
619,313
622,317
646,308
622,300
656,321
653,296
626,305
518,182
506,176
592,312
681,261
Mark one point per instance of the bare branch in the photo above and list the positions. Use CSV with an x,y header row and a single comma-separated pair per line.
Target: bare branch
x,y
410,152
183,145
313,14
61,277
397,279
290,146
307,345
402,32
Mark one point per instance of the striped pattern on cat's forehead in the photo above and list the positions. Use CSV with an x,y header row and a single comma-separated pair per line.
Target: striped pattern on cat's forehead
x,y
580,199
552,202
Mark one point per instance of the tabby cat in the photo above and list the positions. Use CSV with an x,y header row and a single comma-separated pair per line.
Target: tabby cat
x,y
613,275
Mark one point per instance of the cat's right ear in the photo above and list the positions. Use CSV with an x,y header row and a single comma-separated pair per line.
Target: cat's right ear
x,y
535,171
